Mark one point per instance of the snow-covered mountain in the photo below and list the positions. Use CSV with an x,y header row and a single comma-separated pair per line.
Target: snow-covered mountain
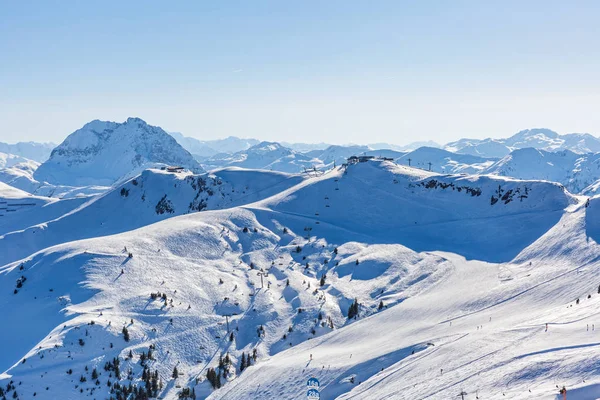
x,y
337,154
405,148
10,160
153,196
21,176
20,210
575,171
382,280
439,160
103,152
265,155
39,152
542,139
274,281
306,147
276,157
208,148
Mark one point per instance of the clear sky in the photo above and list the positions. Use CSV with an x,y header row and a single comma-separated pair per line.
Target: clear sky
x,y
304,71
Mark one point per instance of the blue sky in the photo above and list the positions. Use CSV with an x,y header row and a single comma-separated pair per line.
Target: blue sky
x,y
305,71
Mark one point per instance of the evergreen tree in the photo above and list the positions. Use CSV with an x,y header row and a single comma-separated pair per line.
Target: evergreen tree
x,y
380,305
243,362
353,309
323,277
211,376
175,373
125,334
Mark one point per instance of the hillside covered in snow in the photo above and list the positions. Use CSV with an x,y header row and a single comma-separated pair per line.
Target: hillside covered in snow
x,y
541,139
264,155
38,152
380,280
150,197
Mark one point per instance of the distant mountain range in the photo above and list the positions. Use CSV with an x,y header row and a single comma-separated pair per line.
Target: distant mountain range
x,y
102,153
123,278
542,139
39,152
208,148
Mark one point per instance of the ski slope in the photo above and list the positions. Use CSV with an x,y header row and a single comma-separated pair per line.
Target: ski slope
x,y
442,262
19,209
153,196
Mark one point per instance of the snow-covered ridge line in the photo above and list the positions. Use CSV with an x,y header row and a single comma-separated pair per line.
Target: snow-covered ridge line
x,y
303,258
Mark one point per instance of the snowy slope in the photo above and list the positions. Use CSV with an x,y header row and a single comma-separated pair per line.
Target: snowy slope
x,y
305,147
267,156
21,176
574,171
480,330
480,148
207,148
8,160
408,147
347,225
153,196
38,152
103,152
542,139
337,154
9,192
444,161
19,209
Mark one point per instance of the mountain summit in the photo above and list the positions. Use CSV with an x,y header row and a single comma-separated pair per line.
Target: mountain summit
x,y
102,152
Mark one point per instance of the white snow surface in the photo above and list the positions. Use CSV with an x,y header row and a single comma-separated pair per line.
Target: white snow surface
x,y
153,196
102,153
469,269
539,138
38,152
20,176
270,156
575,171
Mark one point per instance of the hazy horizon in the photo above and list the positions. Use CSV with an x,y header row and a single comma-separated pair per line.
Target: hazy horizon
x,y
334,72
365,143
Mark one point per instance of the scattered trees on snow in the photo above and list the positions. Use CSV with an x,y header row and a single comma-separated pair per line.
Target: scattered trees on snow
x,y
125,334
353,309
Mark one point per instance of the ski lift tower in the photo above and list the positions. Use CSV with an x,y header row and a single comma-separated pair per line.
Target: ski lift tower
x,y
462,394
261,274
